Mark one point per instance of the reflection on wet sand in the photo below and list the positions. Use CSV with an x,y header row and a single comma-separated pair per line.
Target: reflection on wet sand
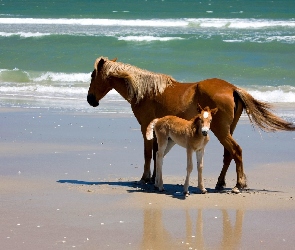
x,y
155,236
232,235
158,235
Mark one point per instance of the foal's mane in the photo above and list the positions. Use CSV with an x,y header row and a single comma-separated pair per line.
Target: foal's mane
x,y
140,82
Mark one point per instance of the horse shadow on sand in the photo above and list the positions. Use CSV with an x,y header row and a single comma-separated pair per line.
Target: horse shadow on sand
x,y
172,190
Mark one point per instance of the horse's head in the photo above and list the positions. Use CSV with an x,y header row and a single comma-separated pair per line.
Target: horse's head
x,y
99,85
205,117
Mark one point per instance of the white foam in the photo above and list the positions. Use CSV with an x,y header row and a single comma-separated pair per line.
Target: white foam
x,y
274,96
236,23
148,38
96,22
24,34
63,77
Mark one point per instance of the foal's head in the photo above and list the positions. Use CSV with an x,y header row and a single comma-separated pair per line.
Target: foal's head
x,y
205,118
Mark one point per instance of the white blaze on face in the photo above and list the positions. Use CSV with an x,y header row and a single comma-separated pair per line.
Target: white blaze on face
x,y
206,114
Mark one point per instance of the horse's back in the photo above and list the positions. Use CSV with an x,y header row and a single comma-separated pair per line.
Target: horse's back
x,y
215,90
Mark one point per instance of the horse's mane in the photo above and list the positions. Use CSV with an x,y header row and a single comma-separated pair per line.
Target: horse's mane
x,y
139,82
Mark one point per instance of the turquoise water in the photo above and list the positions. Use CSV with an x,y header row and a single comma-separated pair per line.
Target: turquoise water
x,y
47,49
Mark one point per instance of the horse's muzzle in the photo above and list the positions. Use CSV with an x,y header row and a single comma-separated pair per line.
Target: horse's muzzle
x,y
92,100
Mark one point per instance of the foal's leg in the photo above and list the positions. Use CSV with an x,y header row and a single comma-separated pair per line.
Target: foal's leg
x,y
155,150
162,144
189,169
170,144
200,164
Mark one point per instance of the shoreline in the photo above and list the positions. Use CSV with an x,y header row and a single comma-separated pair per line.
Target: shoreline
x,y
69,180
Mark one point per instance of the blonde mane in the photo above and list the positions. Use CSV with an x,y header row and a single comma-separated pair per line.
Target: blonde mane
x,y
139,82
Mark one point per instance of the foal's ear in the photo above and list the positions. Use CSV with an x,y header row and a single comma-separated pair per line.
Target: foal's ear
x,y
197,118
115,59
213,111
199,108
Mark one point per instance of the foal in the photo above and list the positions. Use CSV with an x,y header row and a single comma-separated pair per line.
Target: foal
x,y
192,135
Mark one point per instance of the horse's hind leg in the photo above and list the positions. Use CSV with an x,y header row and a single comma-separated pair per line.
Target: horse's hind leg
x,y
227,156
236,153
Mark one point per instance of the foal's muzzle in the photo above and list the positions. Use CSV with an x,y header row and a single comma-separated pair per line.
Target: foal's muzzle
x,y
92,100
205,131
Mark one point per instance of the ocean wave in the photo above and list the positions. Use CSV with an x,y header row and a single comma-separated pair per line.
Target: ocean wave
x,y
97,22
75,85
63,77
37,90
20,76
274,96
262,39
230,23
239,23
265,38
148,38
24,34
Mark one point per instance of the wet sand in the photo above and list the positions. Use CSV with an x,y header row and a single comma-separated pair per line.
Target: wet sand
x,y
69,180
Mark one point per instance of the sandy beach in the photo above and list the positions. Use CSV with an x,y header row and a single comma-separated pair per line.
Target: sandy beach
x,y
69,180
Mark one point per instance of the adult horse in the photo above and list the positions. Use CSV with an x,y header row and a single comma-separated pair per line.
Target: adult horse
x,y
154,95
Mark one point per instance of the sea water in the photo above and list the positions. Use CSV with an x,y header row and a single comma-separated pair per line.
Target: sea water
x,y
48,48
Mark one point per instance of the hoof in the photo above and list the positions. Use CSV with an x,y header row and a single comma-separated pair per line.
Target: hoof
x,y
204,191
235,190
141,182
220,186
186,194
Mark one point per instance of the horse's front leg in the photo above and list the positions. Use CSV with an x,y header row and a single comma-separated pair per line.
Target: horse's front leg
x,y
200,164
189,169
148,147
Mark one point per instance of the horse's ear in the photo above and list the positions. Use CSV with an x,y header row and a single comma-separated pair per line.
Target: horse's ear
x,y
115,59
199,108
100,64
93,74
213,111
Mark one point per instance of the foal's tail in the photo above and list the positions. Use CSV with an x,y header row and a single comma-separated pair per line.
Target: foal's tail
x,y
150,129
259,114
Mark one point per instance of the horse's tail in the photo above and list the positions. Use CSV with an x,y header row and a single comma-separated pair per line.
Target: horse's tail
x,y
150,129
260,114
